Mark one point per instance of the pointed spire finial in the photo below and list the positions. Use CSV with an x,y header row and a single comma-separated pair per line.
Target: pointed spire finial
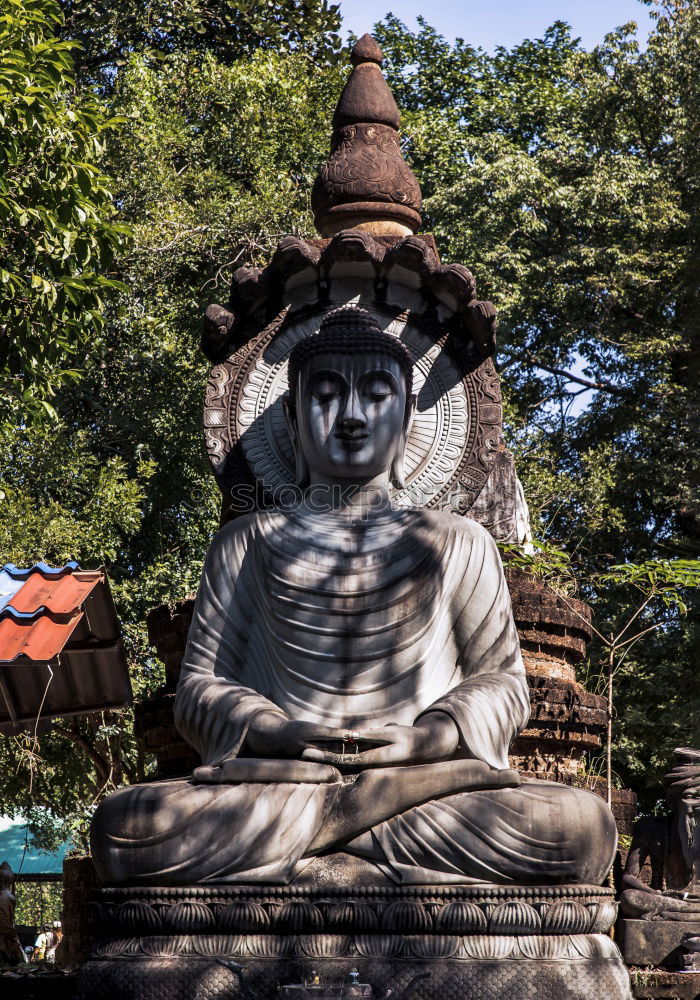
x,y
366,183
366,49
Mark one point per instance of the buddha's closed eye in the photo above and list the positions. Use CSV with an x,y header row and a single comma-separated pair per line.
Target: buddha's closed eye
x,y
377,390
326,390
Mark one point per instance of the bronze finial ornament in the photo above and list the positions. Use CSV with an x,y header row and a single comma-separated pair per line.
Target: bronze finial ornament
x,y
366,183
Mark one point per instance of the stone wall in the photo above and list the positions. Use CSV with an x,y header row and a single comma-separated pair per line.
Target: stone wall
x,y
79,881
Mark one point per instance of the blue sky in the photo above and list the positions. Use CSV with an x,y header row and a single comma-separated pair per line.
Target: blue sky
x,y
502,22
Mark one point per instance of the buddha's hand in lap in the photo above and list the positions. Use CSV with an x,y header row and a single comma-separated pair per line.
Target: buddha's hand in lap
x,y
433,737
274,735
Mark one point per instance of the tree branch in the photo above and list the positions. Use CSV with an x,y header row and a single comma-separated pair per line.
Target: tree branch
x,y
528,359
102,766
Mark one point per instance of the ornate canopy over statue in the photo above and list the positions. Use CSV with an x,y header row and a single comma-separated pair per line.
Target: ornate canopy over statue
x,y
432,309
456,442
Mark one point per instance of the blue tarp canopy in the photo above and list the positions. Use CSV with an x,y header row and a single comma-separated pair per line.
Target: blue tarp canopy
x,y
24,859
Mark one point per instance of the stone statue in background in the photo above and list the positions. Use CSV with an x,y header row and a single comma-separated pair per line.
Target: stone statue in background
x,y
679,897
353,677
10,948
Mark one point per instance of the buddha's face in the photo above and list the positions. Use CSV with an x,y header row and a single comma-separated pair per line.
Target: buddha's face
x,y
351,414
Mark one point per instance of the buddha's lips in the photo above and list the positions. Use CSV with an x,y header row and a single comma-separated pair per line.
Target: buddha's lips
x,y
353,442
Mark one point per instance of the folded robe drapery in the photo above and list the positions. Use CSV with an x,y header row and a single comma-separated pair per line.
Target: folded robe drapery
x,y
176,833
356,626
351,624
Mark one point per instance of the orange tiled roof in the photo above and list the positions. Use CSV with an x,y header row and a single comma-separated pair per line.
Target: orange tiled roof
x,y
60,646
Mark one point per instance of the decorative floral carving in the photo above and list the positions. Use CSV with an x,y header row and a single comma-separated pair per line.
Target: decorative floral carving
x,y
293,917
269,945
604,916
515,910
322,945
486,946
366,165
188,918
460,918
406,916
244,916
212,945
433,945
514,918
118,947
379,945
162,946
351,915
136,917
566,917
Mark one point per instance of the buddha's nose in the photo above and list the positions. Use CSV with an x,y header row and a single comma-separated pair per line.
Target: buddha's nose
x,y
351,423
352,419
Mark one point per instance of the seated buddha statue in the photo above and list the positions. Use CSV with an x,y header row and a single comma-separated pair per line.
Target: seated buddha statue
x,y
353,677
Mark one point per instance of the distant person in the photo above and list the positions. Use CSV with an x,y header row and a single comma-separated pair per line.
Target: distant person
x,y
56,937
43,943
10,948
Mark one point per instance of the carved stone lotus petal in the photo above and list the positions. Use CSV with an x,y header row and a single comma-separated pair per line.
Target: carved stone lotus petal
x,y
136,917
489,946
407,917
161,946
539,946
566,917
188,918
351,916
117,947
433,945
379,945
514,917
245,916
323,945
461,918
211,945
603,916
298,916
269,945
592,946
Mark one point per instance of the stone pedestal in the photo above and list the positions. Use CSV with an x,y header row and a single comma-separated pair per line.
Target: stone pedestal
x,y
655,943
460,943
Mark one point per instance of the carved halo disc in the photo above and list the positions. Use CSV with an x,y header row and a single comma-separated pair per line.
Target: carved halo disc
x,y
453,440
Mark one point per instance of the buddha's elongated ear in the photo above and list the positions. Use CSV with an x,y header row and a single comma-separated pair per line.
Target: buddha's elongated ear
x,y
397,472
301,472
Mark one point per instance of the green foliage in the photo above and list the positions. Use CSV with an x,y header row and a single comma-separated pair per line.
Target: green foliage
x,y
60,500
212,165
38,903
110,31
57,235
569,182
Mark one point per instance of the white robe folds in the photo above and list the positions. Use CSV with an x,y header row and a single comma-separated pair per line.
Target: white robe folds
x,y
353,624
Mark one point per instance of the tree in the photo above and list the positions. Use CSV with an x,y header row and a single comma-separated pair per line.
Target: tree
x,y
212,165
568,180
109,33
58,236
557,174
